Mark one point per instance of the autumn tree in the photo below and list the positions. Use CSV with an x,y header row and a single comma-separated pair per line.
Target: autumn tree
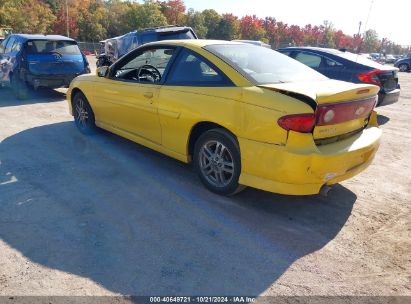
x,y
29,17
252,28
145,15
116,22
228,28
197,22
91,21
371,42
211,22
174,11
60,25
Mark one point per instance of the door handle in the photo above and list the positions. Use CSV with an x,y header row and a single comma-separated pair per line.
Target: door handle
x,y
148,95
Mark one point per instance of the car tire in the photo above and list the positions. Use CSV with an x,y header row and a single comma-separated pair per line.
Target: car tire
x,y
403,67
83,115
217,162
19,87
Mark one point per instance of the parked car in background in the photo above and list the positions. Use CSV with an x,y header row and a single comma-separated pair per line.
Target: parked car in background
x,y
245,115
33,61
255,42
390,59
343,65
404,64
115,48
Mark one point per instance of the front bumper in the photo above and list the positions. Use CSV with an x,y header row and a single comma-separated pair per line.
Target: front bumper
x,y
387,98
302,168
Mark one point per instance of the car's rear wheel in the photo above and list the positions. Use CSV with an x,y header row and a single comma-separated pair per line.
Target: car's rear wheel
x,y
403,67
19,87
217,162
83,114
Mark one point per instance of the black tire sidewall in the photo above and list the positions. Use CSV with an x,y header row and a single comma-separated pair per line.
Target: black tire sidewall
x,y
19,87
90,127
231,143
406,66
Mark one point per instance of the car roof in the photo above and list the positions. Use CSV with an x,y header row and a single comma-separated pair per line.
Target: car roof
x,y
169,28
42,37
309,48
194,43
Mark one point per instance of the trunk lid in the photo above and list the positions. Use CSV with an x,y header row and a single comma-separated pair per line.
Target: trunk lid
x,y
341,108
388,79
55,64
54,57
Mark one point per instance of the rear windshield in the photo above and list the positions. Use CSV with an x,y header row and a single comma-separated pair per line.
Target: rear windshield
x,y
359,59
176,35
167,35
262,65
52,46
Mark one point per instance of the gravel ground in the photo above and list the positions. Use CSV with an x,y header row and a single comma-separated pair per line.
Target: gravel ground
x,y
103,216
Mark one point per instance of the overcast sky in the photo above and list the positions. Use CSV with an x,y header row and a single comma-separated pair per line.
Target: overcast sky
x,y
390,18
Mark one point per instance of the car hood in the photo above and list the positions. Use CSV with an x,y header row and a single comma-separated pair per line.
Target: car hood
x,y
325,91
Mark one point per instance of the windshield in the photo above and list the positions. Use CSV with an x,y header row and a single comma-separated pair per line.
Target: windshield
x,y
262,65
61,47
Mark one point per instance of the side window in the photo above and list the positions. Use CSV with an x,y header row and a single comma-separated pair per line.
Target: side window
x,y
9,45
287,53
135,42
147,66
16,46
190,69
312,60
332,63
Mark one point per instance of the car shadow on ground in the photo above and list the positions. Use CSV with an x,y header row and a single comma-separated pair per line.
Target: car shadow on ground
x,y
139,223
8,99
382,120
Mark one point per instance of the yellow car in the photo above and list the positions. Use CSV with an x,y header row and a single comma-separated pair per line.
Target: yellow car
x,y
243,114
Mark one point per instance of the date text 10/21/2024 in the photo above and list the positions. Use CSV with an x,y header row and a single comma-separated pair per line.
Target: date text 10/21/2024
x,y
203,299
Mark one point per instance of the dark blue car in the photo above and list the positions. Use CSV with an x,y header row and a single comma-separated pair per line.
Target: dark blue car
x,y
404,64
346,66
33,61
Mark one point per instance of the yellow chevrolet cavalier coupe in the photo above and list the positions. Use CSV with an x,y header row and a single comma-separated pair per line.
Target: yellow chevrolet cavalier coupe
x,y
244,115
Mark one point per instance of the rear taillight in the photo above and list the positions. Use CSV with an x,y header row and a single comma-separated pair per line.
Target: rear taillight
x,y
334,113
303,123
370,77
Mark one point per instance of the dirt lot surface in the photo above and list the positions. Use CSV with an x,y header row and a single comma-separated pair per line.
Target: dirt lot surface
x,y
103,216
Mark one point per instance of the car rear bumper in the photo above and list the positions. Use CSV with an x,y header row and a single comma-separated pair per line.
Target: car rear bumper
x,y
50,81
301,167
387,98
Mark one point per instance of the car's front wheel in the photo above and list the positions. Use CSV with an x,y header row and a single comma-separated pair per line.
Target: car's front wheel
x,y
217,162
83,114
403,67
19,87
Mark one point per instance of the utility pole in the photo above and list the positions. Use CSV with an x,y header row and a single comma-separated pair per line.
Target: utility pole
x,y
359,28
67,20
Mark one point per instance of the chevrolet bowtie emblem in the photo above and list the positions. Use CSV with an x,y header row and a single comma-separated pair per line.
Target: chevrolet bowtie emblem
x,y
360,111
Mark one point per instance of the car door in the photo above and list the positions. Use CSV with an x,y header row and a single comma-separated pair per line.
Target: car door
x,y
127,99
195,90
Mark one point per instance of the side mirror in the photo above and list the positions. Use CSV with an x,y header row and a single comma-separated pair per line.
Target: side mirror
x,y
102,71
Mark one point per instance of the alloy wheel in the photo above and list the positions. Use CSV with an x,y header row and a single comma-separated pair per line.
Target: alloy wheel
x,y
216,163
403,67
81,112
